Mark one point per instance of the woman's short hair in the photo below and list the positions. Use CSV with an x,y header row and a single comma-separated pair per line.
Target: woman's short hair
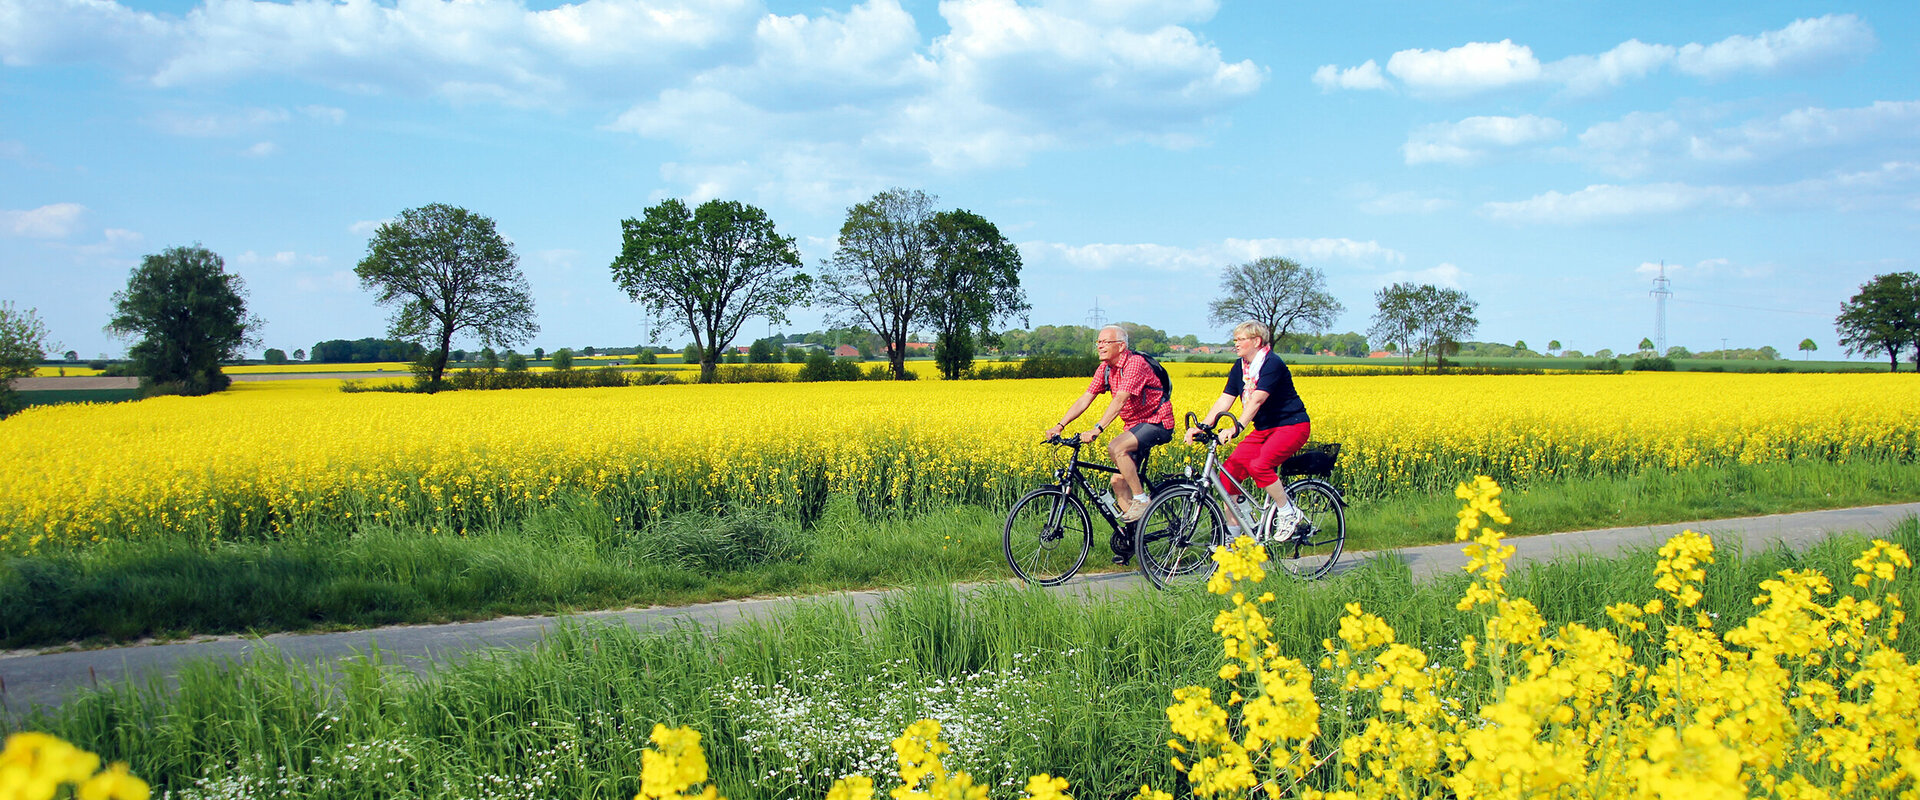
x,y
1251,328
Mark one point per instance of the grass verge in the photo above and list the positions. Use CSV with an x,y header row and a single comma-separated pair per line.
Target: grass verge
x,y
1023,682
574,556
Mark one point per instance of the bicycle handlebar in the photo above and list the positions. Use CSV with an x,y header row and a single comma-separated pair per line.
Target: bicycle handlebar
x,y
1207,434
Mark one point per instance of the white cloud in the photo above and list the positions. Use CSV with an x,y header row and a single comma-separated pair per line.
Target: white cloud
x,y
1890,185
1804,43
261,150
1605,201
326,114
1444,275
1629,60
832,107
1210,258
1477,67
1643,142
1469,68
1472,138
367,227
1366,76
1405,203
56,221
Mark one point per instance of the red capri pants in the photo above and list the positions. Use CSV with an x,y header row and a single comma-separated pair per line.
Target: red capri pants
x,y
1261,453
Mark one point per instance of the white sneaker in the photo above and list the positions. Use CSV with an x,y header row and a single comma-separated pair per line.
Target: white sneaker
x,y
1286,524
1136,509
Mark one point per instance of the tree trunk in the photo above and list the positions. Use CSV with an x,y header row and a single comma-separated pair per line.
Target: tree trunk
x,y
440,359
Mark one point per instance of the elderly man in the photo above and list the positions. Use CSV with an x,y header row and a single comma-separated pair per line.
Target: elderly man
x,y
1140,401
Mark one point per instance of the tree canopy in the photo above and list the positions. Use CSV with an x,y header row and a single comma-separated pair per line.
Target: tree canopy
x,y
1422,317
708,270
186,314
23,345
448,271
1883,317
1276,292
881,274
976,285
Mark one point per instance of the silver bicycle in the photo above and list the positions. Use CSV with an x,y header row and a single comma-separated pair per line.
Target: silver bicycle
x,y
1189,516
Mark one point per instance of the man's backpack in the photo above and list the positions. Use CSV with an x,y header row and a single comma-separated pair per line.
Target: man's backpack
x,y
1159,373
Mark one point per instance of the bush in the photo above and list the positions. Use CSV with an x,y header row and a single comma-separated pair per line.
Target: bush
x,y
1609,365
1653,364
822,367
563,359
516,362
1043,366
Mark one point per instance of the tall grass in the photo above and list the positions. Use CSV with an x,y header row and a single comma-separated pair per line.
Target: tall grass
x,y
1023,681
574,555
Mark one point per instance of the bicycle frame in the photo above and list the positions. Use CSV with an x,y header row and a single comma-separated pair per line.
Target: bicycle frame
x,y
1073,476
1215,474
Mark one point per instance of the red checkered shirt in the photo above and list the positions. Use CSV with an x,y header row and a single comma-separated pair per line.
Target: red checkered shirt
x,y
1146,398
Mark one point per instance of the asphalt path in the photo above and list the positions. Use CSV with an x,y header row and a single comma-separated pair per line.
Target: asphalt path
x,y
47,679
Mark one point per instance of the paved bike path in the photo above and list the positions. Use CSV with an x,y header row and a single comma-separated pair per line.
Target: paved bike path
x,y
30,679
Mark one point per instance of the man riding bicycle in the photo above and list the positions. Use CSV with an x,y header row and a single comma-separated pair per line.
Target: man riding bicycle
x,y
1140,401
1264,386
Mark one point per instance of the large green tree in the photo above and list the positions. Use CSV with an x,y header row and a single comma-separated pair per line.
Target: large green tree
x,y
976,285
882,274
23,345
1278,293
1883,316
708,270
186,314
1422,317
449,272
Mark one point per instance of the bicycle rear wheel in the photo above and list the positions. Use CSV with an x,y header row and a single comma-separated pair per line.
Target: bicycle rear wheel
x,y
1175,539
1313,548
1047,536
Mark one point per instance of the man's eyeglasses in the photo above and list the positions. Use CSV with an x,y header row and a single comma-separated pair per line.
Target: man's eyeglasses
x,y
1107,341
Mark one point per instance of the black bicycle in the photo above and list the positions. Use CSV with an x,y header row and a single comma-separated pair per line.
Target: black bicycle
x,y
1188,517
1048,533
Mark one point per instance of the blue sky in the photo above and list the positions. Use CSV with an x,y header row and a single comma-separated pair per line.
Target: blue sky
x,y
1544,157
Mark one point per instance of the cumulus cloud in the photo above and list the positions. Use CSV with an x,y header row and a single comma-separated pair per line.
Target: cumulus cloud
x,y
1405,203
1366,76
1467,69
1477,67
1804,43
56,221
1889,185
1443,275
1209,258
1605,201
1470,139
852,100
1643,142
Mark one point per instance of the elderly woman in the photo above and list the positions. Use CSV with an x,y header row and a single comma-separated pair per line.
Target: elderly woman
x,y
1264,387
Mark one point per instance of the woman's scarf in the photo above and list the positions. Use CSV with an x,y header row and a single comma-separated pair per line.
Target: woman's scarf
x,y
1250,375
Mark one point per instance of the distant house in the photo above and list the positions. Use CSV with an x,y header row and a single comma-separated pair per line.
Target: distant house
x,y
846,351
919,348
1379,354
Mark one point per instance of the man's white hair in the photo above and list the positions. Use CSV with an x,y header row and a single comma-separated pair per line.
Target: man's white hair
x,y
1119,333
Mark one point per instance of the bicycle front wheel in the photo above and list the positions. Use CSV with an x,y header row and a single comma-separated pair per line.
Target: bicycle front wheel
x,y
1313,547
1047,537
1176,538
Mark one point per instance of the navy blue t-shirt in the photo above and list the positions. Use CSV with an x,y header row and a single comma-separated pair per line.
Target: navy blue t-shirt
x,y
1283,406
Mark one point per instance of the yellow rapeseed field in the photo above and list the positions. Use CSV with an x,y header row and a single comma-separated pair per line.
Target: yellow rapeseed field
x,y
270,459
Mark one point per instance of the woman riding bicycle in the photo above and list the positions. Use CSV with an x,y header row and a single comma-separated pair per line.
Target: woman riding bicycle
x,y
1264,386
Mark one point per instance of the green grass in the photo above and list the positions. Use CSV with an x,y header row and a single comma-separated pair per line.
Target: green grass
x,y
1024,681
574,557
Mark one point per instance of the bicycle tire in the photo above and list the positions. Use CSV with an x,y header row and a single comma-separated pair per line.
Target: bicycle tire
x,y
1175,539
1047,536
1311,553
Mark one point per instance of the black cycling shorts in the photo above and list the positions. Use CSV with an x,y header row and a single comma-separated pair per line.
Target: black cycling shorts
x,y
1148,436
